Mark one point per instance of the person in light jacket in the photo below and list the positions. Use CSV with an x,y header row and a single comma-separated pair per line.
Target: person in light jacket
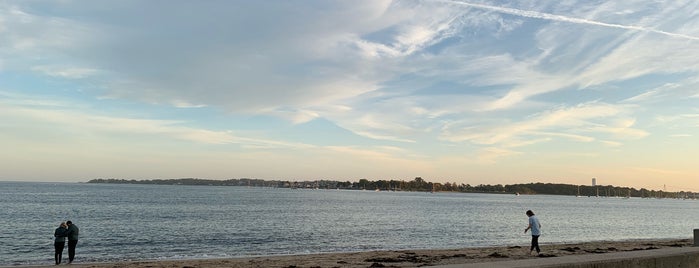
x,y
60,241
535,226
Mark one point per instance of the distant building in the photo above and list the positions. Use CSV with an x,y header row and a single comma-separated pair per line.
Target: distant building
x,y
594,182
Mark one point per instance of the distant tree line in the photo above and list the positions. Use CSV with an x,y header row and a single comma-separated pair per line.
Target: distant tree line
x,y
420,185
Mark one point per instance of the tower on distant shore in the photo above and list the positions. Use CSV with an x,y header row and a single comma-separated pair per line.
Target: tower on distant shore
x,y
594,182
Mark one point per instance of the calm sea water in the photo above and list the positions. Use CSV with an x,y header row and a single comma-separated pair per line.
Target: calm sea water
x,y
137,222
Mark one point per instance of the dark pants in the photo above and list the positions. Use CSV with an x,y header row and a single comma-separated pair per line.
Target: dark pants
x,y
59,251
71,249
535,243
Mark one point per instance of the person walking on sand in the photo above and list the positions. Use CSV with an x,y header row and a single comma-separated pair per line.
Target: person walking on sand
x,y
72,235
60,241
536,231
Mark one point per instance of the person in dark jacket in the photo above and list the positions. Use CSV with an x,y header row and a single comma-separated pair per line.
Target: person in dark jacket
x,y
72,235
60,241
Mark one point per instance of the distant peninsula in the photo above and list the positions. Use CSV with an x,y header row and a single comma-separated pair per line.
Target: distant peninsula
x,y
420,185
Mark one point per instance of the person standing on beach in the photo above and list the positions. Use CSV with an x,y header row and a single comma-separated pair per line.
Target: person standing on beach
x,y
60,241
536,231
72,235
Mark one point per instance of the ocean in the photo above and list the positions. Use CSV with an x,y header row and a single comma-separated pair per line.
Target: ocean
x,y
121,222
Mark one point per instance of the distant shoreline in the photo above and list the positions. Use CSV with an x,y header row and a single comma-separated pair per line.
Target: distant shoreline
x,y
420,185
398,258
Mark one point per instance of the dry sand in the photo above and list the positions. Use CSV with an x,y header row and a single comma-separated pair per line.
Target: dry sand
x,y
400,258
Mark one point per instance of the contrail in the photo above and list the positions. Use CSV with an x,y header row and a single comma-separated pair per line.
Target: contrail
x,y
548,16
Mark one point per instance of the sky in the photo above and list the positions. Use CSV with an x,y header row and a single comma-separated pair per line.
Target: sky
x,y
474,92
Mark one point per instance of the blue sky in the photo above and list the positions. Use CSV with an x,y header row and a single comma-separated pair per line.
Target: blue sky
x,y
492,92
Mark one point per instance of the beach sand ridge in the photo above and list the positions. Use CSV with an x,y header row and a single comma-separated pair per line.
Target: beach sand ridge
x,y
398,258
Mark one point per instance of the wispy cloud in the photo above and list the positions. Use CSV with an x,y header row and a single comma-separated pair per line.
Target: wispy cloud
x,y
79,123
185,104
491,155
594,118
561,18
681,135
65,72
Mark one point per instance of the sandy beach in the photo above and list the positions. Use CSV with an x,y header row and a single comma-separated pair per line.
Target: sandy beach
x,y
399,258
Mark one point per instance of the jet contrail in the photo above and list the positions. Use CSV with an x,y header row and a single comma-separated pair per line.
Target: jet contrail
x,y
548,16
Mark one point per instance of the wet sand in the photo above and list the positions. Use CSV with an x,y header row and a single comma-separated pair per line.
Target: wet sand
x,y
399,258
